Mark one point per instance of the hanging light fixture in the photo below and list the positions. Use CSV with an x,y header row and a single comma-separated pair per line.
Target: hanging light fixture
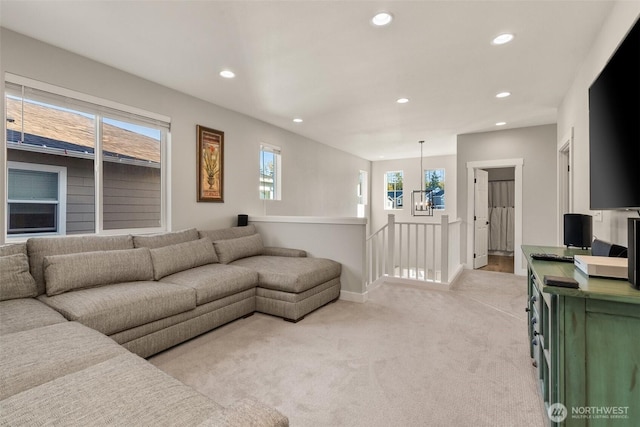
x,y
422,200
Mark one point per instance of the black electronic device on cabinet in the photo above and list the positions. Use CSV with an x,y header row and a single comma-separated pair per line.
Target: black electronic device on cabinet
x,y
578,230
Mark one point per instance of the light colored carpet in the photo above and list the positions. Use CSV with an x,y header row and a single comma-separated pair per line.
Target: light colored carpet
x,y
407,357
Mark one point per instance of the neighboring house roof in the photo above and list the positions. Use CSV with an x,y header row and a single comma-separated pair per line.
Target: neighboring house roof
x,y
75,133
64,148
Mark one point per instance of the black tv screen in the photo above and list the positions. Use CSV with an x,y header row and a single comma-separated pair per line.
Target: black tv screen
x,y
614,129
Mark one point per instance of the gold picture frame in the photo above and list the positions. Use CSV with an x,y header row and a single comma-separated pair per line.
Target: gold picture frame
x,y
210,165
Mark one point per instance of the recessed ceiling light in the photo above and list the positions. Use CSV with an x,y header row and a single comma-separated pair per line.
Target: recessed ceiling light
x,y
227,74
502,38
501,123
503,94
298,120
381,19
402,100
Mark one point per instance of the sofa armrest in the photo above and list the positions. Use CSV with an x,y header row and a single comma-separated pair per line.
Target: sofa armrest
x,y
276,251
246,413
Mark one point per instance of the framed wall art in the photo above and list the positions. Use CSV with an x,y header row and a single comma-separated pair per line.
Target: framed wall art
x,y
210,164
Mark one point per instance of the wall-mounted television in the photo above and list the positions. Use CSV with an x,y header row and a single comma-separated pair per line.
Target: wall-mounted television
x,y
614,129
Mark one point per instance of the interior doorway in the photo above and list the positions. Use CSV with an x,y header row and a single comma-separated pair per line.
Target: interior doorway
x,y
565,181
514,167
501,209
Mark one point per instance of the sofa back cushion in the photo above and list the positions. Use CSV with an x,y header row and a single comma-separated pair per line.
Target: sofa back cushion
x,y
39,247
228,233
15,279
13,248
64,273
230,250
165,239
182,256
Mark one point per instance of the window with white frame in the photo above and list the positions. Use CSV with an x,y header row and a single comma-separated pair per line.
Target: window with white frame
x,y
113,156
393,190
434,181
363,193
36,199
270,172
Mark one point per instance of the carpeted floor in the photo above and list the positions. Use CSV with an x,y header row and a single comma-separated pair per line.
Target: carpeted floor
x,y
407,357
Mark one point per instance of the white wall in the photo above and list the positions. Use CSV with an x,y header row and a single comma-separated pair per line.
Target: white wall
x,y
339,239
574,113
411,181
318,180
536,146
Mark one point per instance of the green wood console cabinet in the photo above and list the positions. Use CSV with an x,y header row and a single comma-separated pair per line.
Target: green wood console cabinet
x,y
585,344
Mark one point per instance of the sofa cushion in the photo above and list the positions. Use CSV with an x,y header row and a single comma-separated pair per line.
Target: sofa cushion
x,y
291,274
182,256
26,313
232,249
152,241
39,247
228,233
247,412
15,279
114,308
12,249
215,281
34,357
124,390
277,251
153,337
64,273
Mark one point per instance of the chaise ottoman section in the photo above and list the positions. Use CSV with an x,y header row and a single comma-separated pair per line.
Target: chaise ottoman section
x,y
292,287
22,314
294,307
117,307
289,274
124,390
247,412
34,357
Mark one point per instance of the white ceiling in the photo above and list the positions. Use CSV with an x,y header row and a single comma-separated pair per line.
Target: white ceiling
x,y
324,62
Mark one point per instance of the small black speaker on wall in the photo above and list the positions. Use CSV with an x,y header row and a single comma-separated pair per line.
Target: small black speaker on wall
x,y
243,220
634,251
578,230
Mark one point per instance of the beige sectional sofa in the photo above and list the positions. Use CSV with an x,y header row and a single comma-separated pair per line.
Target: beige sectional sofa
x,y
79,314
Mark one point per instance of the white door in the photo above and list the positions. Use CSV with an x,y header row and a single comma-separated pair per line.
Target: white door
x,y
481,218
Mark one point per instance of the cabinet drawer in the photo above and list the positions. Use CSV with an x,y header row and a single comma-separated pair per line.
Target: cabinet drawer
x,y
537,328
535,300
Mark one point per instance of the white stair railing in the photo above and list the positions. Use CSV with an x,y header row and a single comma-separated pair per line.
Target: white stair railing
x,y
409,250
376,258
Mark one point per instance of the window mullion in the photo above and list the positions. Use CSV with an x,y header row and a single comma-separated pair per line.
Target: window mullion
x,y
98,175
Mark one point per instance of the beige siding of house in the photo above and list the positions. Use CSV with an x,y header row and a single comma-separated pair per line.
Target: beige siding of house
x,y
131,193
131,196
81,209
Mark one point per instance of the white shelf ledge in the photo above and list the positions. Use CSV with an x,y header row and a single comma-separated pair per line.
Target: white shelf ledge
x,y
310,220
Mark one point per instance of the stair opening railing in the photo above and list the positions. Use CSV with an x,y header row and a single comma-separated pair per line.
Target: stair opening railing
x,y
409,250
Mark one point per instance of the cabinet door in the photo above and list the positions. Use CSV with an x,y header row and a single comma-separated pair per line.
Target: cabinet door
x,y
613,362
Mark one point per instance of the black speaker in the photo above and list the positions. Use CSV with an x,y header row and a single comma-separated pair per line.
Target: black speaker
x,y
578,230
243,220
634,251
602,248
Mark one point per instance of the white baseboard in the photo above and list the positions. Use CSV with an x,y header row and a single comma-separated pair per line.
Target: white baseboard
x,y
456,273
354,296
435,286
